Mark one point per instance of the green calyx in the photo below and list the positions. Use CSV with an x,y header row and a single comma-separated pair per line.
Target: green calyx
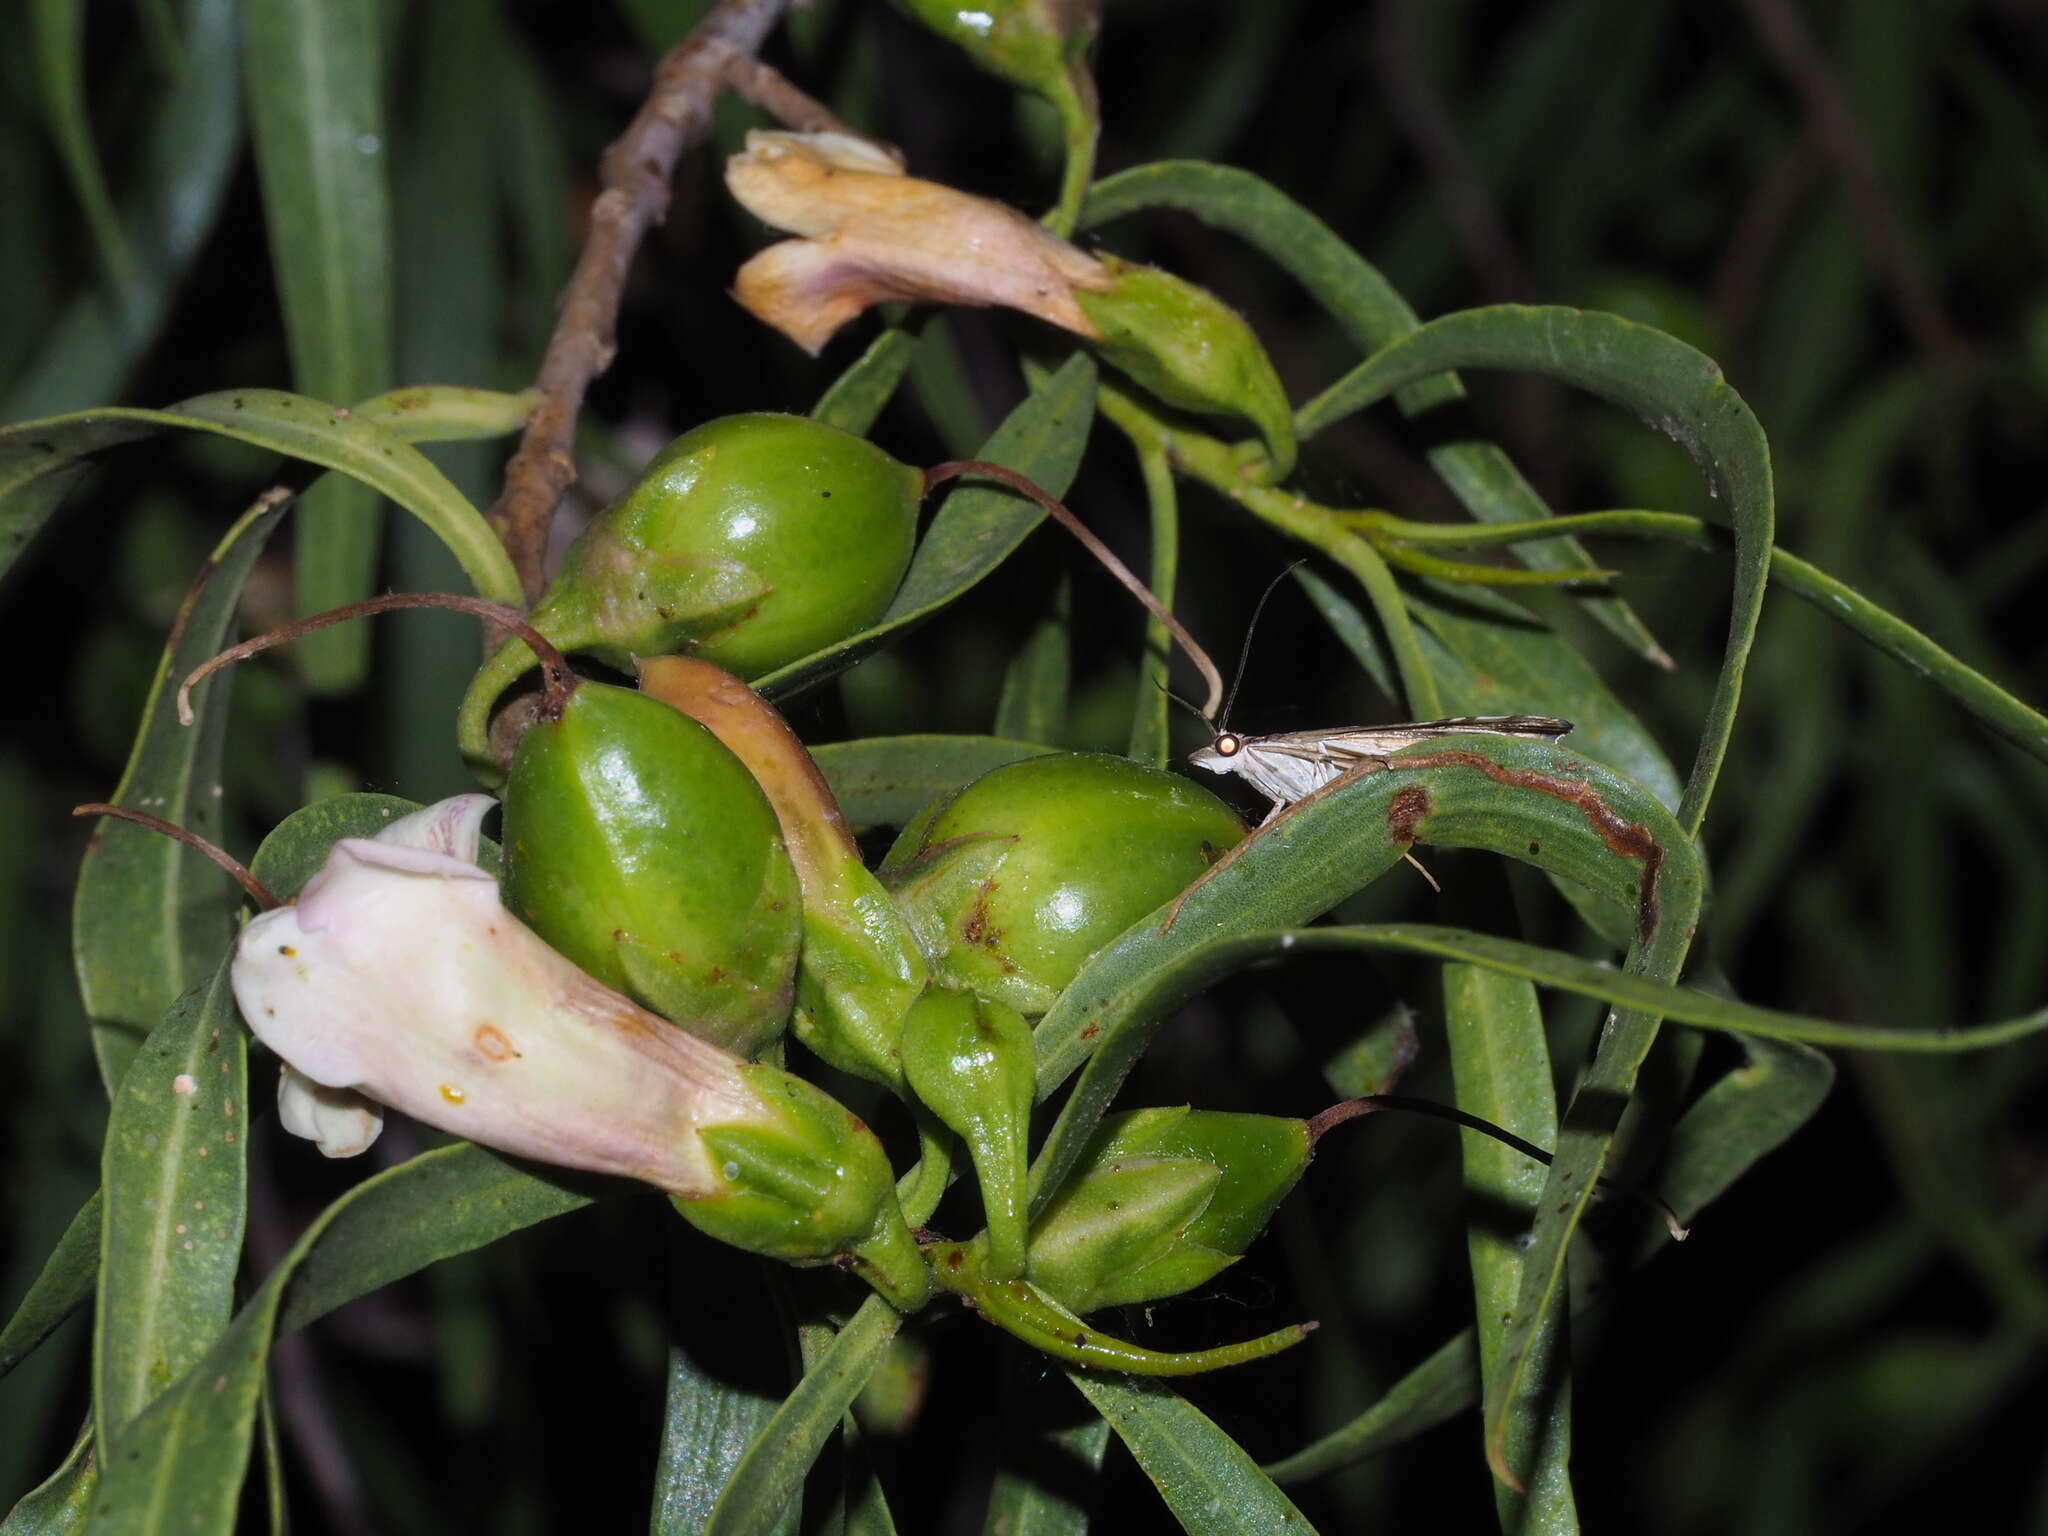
x,y
1193,351
1162,1201
1024,1311
807,1182
970,1062
751,540
643,850
1016,880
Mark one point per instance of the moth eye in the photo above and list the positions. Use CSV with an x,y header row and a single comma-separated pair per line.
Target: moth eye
x,y
1227,746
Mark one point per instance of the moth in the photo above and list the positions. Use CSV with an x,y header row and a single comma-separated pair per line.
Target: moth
x,y
1289,767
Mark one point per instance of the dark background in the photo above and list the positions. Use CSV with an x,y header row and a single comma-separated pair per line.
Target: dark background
x,y
1856,230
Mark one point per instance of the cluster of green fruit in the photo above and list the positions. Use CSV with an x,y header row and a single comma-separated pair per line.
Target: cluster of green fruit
x,y
675,841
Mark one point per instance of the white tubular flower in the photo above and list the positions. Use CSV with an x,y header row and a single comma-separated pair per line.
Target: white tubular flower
x,y
398,973
872,235
339,1121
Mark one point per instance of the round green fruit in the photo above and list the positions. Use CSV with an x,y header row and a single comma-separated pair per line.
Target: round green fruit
x,y
1013,882
642,849
750,541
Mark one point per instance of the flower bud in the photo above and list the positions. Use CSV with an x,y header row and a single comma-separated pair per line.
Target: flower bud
x,y
1017,879
1192,350
970,1062
860,969
751,540
643,850
1162,1201
399,974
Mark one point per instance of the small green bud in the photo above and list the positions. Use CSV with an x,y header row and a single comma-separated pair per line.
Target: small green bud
x,y
805,1181
643,850
751,541
1019,878
970,1061
1162,1201
1193,351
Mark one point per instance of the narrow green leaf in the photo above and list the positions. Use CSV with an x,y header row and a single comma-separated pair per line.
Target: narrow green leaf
x,y
185,156
1205,1477
1559,817
64,1284
1372,314
150,916
1436,1391
59,31
61,1504
175,1180
776,1464
1730,1128
977,527
1748,1113
1500,1063
858,395
1683,393
1348,623
707,1425
448,413
40,461
1033,706
316,117
1493,657
180,1466
883,781
1679,391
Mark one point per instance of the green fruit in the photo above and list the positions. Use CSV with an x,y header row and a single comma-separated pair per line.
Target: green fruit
x,y
751,541
643,850
1013,883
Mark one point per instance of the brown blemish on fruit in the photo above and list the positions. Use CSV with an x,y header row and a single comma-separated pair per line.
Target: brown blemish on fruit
x,y
1629,839
977,927
1406,811
491,1043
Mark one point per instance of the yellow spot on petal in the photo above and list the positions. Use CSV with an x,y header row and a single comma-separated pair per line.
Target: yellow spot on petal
x,y
452,1094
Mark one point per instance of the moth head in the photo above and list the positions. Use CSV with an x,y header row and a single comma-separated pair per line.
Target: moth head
x,y
1221,755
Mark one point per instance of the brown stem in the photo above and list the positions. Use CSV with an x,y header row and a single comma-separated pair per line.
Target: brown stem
x,y
765,86
558,681
177,834
1353,1109
954,469
635,172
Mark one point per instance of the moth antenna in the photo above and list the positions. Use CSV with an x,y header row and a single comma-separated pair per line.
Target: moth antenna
x,y
1184,704
177,834
1245,653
